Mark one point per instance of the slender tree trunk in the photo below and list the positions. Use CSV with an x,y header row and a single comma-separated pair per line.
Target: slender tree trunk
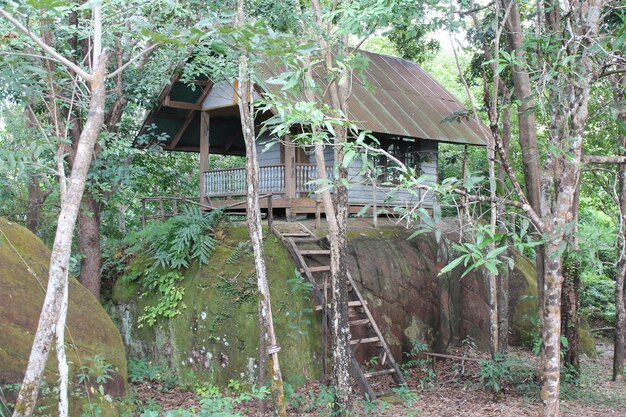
x,y
36,198
339,286
551,332
61,249
339,92
253,214
620,291
527,127
89,244
570,324
503,312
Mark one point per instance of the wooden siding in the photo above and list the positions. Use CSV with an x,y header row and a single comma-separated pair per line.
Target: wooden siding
x,y
270,156
361,192
222,182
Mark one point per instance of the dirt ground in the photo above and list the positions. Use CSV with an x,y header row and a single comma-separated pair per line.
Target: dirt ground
x,y
456,390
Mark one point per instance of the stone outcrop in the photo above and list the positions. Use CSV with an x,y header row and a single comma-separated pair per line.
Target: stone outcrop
x,y
24,263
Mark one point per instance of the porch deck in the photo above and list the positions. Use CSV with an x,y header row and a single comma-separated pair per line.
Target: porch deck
x,y
231,182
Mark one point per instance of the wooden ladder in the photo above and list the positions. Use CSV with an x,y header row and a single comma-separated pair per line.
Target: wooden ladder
x,y
312,257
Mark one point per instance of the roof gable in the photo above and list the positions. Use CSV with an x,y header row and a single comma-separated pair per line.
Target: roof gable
x,y
394,96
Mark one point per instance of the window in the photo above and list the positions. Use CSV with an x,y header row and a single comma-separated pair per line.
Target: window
x,y
405,150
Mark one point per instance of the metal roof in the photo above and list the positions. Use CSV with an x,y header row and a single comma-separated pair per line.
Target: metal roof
x,y
393,96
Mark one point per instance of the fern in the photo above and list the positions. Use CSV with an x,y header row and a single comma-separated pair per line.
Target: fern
x,y
244,247
172,245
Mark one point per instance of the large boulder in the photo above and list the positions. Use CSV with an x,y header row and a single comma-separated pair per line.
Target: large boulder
x,y
411,302
24,261
215,338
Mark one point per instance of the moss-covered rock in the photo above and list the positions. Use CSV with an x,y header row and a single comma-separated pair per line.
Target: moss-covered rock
x,y
215,338
399,278
24,261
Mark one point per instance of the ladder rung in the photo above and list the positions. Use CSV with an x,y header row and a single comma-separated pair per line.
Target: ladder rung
x,y
305,239
350,304
379,373
321,288
300,234
317,268
359,322
315,252
365,340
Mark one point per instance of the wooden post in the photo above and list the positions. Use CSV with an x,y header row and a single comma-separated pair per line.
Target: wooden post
x,y
204,153
270,215
290,172
318,213
375,206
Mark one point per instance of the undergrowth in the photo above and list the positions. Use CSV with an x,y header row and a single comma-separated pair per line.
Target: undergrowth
x,y
170,246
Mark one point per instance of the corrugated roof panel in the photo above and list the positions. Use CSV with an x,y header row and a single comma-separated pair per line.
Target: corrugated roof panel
x,y
405,101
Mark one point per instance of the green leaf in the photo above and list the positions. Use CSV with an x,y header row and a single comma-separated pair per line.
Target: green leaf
x,y
450,266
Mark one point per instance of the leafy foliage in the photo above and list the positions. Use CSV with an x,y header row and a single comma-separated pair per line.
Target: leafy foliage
x,y
495,372
171,246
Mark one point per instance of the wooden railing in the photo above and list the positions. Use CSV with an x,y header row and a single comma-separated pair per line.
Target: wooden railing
x,y
232,181
162,207
305,173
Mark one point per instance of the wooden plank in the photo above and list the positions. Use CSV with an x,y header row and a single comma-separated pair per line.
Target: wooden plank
x,y
181,104
314,269
350,304
315,252
379,373
398,378
365,340
359,322
204,152
293,234
189,118
181,130
360,379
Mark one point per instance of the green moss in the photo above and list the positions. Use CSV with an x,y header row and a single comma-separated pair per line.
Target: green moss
x,y
23,278
525,319
215,338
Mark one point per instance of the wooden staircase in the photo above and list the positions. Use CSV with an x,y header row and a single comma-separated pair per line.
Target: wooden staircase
x,y
312,257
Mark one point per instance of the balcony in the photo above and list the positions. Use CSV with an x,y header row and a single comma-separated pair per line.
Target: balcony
x,y
231,182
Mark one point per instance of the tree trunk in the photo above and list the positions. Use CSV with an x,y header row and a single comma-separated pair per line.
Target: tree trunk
x,y
36,198
551,331
255,231
503,312
570,324
527,127
339,287
61,249
620,291
89,244
337,217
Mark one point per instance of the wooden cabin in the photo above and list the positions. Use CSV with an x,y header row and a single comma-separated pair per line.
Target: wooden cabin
x,y
405,108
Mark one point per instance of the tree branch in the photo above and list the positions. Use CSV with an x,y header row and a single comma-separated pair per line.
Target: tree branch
x,y
47,48
604,159
135,58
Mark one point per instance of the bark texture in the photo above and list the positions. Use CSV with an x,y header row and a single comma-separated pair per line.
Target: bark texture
x,y
89,244
620,291
570,324
337,217
255,231
59,259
